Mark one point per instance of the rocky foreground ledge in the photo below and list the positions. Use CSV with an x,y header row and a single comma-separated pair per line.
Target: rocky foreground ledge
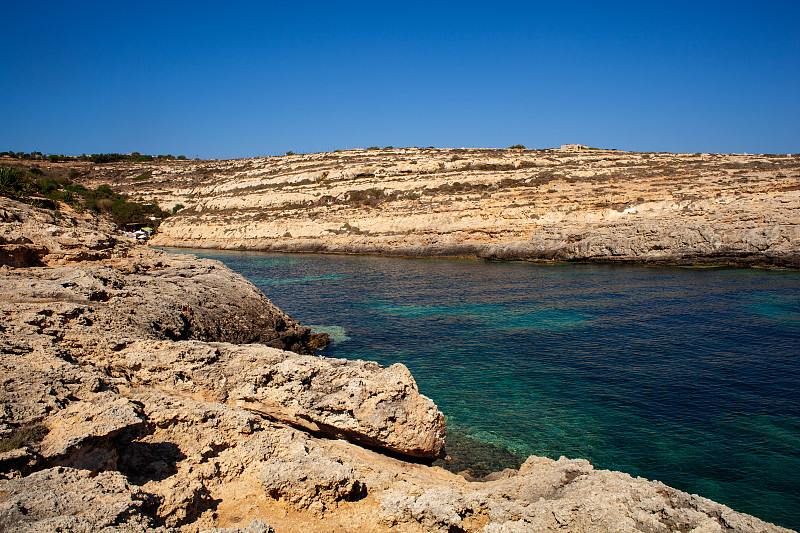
x,y
144,391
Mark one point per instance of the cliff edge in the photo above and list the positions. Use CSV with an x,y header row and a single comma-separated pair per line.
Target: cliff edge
x,y
538,205
146,391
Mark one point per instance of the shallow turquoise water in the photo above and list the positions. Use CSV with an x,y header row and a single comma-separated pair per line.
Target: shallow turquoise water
x,y
688,376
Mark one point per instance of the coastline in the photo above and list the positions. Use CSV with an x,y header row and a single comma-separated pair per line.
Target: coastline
x,y
529,205
491,253
156,412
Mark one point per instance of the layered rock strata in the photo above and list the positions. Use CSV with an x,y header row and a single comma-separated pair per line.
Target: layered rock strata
x,y
110,423
590,205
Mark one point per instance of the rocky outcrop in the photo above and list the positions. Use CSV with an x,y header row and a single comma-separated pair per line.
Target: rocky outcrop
x,y
79,436
129,404
565,495
539,205
126,291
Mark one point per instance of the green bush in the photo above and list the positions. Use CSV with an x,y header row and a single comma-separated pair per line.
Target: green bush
x,y
47,191
78,189
12,182
517,147
46,185
106,158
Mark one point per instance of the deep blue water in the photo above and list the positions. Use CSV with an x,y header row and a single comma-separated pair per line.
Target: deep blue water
x,y
688,376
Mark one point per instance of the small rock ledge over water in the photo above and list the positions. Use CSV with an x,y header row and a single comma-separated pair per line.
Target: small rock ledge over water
x,y
144,391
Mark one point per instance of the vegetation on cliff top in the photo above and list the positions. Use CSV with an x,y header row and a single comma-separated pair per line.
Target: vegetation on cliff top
x,y
94,158
45,189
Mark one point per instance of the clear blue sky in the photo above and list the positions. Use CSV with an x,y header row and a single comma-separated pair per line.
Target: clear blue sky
x,y
239,79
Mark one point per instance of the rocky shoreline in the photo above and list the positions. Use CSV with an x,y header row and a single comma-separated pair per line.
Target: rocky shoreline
x,y
533,205
146,391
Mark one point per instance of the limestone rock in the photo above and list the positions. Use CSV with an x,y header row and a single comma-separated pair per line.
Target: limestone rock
x,y
357,400
79,435
66,499
16,462
566,495
136,291
437,509
539,205
307,481
256,526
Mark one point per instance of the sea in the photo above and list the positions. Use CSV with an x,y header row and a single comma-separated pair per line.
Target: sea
x,y
689,376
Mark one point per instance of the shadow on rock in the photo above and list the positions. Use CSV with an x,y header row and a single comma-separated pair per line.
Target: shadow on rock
x,y
141,462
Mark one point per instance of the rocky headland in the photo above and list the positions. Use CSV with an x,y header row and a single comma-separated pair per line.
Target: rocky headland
x,y
540,205
147,391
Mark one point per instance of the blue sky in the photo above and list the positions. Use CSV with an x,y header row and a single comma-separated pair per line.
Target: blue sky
x,y
241,79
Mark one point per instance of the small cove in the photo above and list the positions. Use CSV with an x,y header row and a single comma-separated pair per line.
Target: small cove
x,y
688,376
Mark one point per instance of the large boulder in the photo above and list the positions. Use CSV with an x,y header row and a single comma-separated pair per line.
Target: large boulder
x,y
356,400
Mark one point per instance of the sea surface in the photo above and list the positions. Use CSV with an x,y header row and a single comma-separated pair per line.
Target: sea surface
x,y
690,376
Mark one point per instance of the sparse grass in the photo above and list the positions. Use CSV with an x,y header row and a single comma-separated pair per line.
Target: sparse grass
x,y
23,436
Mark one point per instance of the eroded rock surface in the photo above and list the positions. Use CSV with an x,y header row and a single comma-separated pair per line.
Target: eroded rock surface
x,y
357,400
309,482
595,205
130,404
65,499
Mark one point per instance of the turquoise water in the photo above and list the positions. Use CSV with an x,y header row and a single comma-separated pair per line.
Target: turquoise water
x,y
688,376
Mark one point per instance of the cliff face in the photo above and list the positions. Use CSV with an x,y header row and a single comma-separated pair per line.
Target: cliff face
x,y
131,401
504,204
